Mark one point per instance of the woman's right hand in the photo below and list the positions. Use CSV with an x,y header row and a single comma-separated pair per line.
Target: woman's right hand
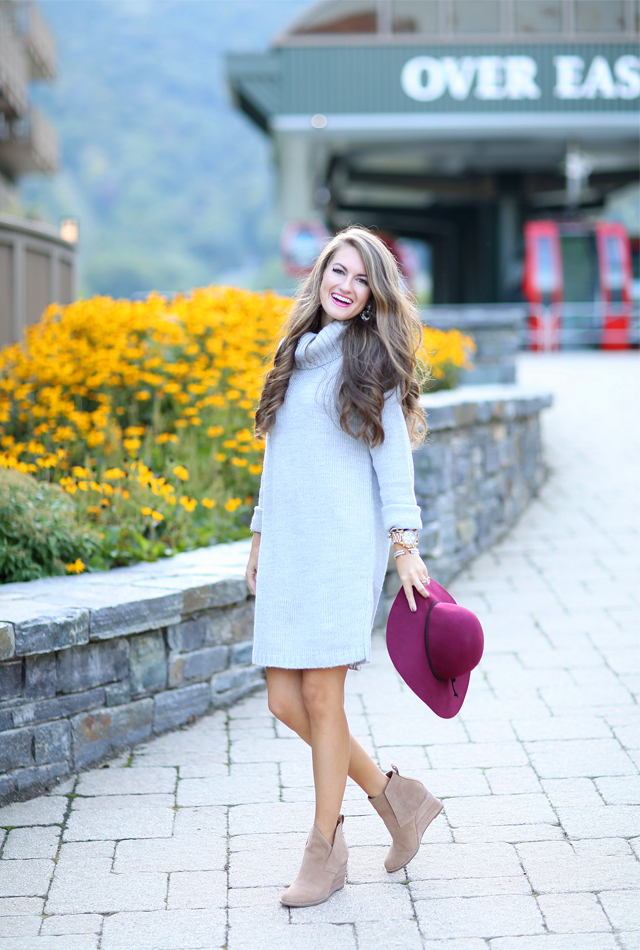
x,y
251,573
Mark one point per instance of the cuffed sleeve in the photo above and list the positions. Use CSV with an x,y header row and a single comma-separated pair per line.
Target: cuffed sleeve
x,y
393,464
256,521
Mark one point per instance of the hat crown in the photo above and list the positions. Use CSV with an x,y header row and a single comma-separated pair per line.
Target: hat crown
x,y
455,640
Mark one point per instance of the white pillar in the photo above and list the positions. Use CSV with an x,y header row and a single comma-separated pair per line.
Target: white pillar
x,y
296,176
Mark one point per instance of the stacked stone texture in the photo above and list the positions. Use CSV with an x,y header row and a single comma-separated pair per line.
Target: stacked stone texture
x,y
94,664
78,684
478,470
498,331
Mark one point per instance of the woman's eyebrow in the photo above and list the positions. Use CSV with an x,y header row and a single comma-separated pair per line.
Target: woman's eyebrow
x,y
346,268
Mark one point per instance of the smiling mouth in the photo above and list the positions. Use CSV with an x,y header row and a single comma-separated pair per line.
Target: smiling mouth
x,y
341,301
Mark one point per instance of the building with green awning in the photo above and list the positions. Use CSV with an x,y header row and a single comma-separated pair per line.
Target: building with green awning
x,y
450,122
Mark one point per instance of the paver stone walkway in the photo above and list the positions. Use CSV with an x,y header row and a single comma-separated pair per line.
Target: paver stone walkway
x,y
187,843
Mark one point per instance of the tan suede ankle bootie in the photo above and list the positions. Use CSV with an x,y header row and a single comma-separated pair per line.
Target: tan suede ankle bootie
x,y
407,809
322,871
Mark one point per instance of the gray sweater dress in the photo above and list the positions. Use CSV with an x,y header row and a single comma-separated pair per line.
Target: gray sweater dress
x,y
327,502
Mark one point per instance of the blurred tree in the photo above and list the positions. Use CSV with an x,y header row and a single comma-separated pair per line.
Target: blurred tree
x,y
172,186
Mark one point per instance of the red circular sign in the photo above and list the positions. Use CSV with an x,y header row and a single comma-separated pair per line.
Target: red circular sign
x,y
300,244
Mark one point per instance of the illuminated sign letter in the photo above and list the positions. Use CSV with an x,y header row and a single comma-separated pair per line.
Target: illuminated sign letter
x,y
521,78
422,78
459,75
568,76
599,81
627,71
490,76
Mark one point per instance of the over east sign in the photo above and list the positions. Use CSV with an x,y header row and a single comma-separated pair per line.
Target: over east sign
x,y
483,78
426,78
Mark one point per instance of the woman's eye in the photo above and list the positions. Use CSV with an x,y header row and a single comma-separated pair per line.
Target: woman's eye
x,y
338,270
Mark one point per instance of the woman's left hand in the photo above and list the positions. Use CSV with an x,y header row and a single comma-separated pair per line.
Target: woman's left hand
x,y
413,573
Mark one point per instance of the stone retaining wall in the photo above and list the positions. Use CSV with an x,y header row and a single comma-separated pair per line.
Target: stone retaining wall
x,y
93,664
499,331
481,465
96,663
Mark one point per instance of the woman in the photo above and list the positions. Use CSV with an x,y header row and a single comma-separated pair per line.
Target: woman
x,y
339,410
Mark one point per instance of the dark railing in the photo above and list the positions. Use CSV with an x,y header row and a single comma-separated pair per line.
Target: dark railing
x,y
29,144
581,325
500,330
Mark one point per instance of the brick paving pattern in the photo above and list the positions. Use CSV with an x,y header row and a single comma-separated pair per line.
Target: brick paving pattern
x,y
187,843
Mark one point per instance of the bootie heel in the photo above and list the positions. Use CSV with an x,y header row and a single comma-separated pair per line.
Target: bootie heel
x,y
322,872
407,809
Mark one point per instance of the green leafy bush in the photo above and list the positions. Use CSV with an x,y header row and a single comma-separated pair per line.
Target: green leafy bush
x,y
38,531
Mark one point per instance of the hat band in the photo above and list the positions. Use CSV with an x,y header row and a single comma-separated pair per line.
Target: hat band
x,y
426,643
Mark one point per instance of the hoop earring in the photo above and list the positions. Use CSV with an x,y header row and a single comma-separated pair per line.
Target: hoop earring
x,y
366,313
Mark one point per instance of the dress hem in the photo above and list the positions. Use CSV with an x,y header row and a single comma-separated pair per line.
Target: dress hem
x,y
281,664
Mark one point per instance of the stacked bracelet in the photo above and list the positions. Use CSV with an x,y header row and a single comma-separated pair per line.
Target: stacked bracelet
x,y
406,551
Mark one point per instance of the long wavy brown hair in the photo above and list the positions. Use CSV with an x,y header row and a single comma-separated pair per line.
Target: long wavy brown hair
x,y
379,355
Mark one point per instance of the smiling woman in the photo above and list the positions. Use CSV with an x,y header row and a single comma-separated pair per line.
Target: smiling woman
x,y
339,409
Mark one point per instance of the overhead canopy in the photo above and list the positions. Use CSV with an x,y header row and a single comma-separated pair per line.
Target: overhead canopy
x,y
452,67
479,89
448,120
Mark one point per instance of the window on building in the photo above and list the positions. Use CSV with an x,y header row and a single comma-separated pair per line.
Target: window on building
x,y
476,16
343,16
616,271
579,267
414,16
545,276
538,16
600,16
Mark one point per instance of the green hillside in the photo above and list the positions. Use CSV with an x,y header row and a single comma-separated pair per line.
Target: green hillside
x,y
172,186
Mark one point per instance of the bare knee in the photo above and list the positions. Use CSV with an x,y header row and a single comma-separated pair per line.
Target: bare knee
x,y
321,699
283,706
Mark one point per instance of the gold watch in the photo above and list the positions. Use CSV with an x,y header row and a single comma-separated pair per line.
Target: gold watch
x,y
407,537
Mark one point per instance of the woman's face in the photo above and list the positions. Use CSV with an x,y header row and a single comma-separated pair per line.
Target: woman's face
x,y
344,290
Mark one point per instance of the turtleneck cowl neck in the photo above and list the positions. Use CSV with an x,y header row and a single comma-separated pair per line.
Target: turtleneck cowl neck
x,y
317,349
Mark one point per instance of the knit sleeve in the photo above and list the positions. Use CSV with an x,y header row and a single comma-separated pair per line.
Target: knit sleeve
x,y
256,520
393,464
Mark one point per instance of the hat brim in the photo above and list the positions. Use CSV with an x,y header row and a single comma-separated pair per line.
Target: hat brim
x,y
405,643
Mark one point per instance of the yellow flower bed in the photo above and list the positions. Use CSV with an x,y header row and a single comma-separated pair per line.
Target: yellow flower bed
x,y
143,412
442,357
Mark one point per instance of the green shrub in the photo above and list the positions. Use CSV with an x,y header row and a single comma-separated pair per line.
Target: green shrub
x,y
38,532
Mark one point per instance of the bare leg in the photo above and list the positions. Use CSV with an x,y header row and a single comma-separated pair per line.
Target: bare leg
x,y
323,696
287,704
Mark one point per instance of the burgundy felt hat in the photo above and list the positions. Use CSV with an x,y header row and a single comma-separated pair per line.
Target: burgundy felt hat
x,y
435,649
